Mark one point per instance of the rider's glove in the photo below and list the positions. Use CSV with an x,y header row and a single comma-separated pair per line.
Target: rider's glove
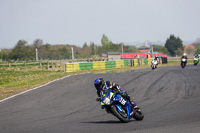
x,y
98,99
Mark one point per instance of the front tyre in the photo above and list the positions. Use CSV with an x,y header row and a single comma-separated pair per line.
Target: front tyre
x,y
122,116
138,114
153,67
182,65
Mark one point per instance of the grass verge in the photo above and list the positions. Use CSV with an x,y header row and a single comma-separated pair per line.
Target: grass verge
x,y
13,82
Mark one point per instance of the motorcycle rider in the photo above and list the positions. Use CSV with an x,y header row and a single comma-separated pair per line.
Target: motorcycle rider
x,y
100,85
184,56
156,58
196,55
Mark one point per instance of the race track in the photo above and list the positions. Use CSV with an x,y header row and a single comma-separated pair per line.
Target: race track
x,y
168,96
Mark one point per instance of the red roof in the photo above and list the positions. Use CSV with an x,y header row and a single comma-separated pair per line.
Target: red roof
x,y
189,47
142,55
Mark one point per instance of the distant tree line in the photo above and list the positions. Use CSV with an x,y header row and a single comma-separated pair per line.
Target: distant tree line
x,y
24,51
196,44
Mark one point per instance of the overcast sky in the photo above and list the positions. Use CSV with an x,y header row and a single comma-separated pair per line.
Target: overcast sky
x,y
79,21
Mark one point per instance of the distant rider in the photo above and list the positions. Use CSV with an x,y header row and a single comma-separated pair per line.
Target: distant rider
x,y
157,59
184,56
196,56
100,85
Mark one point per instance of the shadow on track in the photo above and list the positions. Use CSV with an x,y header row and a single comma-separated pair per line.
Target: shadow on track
x,y
108,122
103,122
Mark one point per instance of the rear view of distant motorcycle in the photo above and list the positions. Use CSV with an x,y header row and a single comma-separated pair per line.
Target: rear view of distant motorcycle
x,y
196,59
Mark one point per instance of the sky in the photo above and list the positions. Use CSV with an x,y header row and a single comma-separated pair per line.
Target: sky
x,y
85,21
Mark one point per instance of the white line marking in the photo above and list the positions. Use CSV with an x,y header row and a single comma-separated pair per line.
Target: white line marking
x,y
32,89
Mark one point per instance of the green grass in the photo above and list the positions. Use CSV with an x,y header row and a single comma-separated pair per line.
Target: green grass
x,y
12,82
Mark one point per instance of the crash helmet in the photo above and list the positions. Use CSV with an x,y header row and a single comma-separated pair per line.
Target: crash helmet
x,y
99,83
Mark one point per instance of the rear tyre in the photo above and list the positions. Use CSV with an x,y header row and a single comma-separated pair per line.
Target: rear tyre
x,y
138,115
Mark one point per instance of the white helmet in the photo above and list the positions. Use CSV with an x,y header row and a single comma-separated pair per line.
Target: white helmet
x,y
184,54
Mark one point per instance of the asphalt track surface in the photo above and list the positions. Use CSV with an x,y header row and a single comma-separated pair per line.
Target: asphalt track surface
x,y
168,96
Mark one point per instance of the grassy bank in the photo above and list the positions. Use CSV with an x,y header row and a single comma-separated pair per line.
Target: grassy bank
x,y
12,82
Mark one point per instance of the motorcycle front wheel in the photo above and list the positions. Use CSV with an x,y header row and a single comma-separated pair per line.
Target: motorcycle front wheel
x,y
121,115
182,65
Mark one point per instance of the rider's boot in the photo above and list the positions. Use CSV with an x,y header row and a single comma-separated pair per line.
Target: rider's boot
x,y
134,105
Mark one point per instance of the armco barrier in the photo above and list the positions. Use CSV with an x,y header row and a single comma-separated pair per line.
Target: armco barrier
x,y
99,65
145,61
119,63
135,63
149,62
86,66
110,64
72,67
142,62
126,63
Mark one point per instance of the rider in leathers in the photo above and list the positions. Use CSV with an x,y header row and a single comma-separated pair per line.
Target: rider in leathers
x,y
100,84
184,56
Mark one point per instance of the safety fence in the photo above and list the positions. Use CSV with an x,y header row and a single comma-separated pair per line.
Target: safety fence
x,y
103,65
99,65
147,62
67,66
140,62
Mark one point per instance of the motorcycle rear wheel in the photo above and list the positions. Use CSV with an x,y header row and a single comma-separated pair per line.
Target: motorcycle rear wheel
x,y
138,115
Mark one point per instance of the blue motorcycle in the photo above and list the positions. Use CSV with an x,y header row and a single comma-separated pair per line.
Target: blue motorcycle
x,y
118,106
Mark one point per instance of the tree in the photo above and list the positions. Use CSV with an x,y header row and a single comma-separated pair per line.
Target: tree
x,y
85,45
105,42
1,55
196,44
21,51
129,49
179,51
64,53
173,44
92,46
37,43
189,51
160,48
198,50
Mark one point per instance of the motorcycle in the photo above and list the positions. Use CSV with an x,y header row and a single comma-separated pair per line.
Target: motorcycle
x,y
196,60
183,62
120,107
154,64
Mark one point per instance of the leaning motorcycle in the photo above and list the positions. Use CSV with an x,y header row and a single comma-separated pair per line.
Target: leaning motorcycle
x,y
120,107
196,60
154,64
183,62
